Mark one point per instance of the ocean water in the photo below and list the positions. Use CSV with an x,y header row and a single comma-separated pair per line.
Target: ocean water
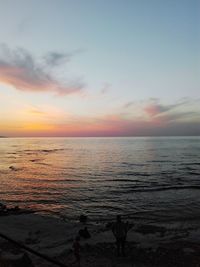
x,y
147,178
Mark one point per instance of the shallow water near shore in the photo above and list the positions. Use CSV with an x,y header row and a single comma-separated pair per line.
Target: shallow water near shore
x,y
154,179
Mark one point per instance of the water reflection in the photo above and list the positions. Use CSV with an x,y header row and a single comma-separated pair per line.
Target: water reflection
x,y
99,175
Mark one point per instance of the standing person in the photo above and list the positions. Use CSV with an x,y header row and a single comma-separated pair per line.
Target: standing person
x,y
76,249
119,230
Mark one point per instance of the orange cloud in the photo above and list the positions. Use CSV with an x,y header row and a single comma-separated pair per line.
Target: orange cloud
x,y
36,111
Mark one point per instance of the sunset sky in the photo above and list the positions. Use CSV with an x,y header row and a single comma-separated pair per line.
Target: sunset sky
x,y
99,68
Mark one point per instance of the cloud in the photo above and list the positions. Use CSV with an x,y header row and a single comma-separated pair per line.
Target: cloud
x,y
118,126
36,111
128,104
181,109
153,110
49,121
55,59
18,68
181,123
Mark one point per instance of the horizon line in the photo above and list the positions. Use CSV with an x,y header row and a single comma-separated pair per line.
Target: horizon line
x,y
100,136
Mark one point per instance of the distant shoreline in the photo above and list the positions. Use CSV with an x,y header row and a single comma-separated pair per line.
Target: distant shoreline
x,y
135,136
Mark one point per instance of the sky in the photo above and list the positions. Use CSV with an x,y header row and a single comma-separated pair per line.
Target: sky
x,y
99,68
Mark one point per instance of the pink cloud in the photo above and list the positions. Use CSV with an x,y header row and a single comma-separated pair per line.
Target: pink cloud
x,y
153,110
20,70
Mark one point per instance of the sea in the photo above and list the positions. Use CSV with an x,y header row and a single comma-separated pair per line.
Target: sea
x,y
144,178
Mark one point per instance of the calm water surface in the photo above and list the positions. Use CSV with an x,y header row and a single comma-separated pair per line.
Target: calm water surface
x,y
150,178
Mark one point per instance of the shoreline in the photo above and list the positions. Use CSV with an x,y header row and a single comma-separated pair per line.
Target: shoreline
x,y
54,237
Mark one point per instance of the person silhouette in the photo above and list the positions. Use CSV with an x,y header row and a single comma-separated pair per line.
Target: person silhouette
x,y
76,250
119,230
84,233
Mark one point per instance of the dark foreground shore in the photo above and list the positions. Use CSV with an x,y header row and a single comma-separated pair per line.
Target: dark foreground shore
x,y
175,244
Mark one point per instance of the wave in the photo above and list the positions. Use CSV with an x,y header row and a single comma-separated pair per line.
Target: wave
x,y
194,173
33,151
128,173
187,168
133,164
193,163
166,188
107,207
143,189
52,180
122,180
13,168
160,161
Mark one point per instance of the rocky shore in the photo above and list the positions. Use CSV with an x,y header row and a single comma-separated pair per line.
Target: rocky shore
x,y
149,244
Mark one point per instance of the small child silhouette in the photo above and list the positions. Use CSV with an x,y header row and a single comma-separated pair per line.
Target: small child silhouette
x,y
76,249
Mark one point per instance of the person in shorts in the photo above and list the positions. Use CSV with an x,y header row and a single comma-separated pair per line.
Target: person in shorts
x,y
119,230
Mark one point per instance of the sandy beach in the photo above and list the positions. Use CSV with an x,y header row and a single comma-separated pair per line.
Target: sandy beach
x,y
147,244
